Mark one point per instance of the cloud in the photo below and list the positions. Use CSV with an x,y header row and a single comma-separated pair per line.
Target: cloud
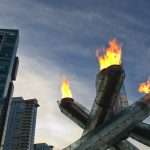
x,y
41,79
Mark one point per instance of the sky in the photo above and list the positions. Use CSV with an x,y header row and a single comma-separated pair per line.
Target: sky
x,y
60,38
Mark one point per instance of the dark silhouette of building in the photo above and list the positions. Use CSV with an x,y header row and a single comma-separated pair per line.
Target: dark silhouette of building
x,y
21,124
42,146
8,68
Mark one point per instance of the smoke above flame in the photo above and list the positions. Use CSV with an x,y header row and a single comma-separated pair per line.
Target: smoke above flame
x,y
65,90
145,87
111,55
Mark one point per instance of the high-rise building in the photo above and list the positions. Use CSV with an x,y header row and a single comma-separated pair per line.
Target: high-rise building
x,y
21,124
121,101
42,146
8,68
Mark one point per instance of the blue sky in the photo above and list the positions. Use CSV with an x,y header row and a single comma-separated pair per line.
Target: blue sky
x,y
61,37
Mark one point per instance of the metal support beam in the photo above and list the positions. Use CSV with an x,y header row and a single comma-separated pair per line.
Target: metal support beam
x,y
114,129
141,133
109,82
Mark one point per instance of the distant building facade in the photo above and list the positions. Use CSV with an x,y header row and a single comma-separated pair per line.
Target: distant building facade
x,y
21,124
121,101
42,146
8,68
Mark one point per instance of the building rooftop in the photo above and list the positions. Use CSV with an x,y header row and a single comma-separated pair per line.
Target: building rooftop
x,y
20,99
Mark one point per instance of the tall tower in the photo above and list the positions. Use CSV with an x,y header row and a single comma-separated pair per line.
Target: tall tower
x,y
8,68
21,124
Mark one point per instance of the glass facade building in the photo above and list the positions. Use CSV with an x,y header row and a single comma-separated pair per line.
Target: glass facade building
x,y
42,146
21,124
8,68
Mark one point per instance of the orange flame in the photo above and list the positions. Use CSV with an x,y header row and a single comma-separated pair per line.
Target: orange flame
x,y
145,87
66,92
112,55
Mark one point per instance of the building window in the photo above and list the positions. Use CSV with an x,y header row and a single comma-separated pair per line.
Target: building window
x,y
1,39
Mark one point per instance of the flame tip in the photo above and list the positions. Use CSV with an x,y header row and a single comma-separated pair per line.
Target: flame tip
x,y
144,87
66,92
112,55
